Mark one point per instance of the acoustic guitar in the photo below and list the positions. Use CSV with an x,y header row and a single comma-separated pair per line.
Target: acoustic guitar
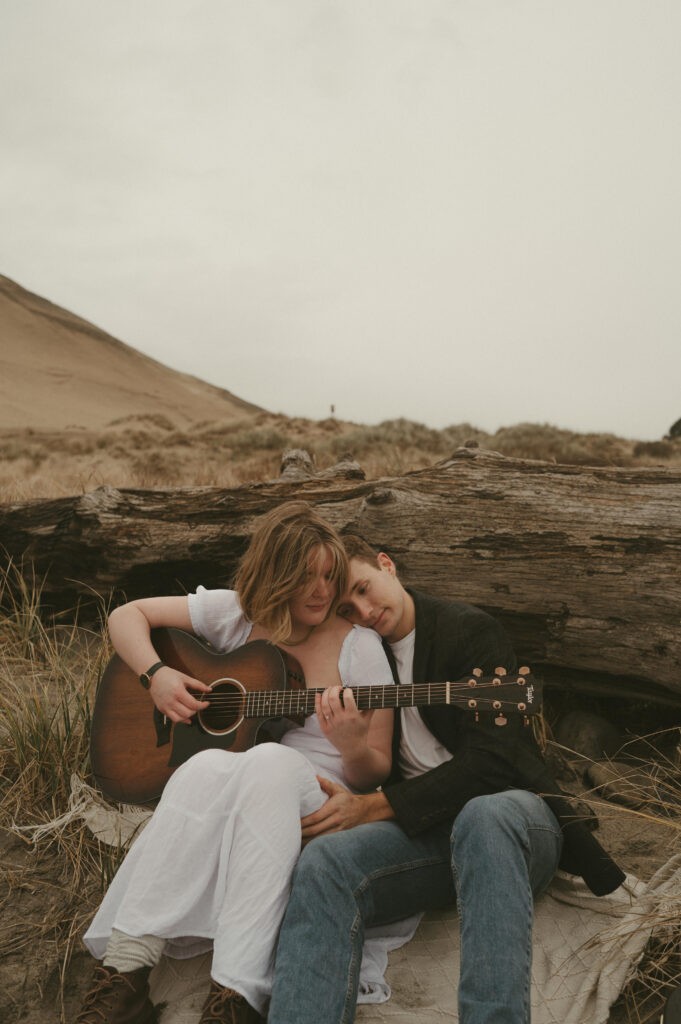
x,y
134,749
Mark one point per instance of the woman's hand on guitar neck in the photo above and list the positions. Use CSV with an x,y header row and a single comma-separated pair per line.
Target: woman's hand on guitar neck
x,y
341,721
363,738
170,693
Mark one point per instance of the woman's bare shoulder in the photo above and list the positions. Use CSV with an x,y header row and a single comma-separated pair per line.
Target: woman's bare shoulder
x,y
329,635
336,627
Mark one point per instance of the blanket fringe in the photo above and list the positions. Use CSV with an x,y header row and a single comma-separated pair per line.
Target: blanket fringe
x,y
115,825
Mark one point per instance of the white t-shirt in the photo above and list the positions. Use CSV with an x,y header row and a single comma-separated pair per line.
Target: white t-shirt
x,y
216,616
419,750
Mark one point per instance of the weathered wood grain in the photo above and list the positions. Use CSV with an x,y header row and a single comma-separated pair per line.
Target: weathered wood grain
x,y
582,565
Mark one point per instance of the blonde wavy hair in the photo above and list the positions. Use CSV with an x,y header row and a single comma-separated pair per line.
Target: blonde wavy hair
x,y
276,563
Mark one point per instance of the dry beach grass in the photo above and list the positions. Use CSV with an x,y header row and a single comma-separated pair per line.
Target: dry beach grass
x,y
49,673
148,450
50,888
70,421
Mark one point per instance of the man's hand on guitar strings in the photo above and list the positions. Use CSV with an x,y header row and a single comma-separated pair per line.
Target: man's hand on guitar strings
x,y
170,693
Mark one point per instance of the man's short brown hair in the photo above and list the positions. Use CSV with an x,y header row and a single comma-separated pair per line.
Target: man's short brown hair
x,y
355,547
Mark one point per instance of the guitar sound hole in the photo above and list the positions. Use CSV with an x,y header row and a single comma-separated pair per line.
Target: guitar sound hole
x,y
226,707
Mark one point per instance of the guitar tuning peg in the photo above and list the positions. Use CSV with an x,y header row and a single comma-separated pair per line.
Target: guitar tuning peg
x,y
500,720
477,672
524,671
500,671
526,720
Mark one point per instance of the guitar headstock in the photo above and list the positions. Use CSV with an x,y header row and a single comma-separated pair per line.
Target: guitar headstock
x,y
504,693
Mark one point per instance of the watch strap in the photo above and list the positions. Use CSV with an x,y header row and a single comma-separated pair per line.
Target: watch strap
x,y
145,678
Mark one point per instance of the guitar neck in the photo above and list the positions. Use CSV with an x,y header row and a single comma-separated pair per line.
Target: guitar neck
x,y
291,703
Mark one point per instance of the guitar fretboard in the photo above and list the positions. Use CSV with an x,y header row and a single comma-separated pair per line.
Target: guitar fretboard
x,y
509,696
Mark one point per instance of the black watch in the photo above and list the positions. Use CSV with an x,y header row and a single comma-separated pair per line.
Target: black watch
x,y
145,678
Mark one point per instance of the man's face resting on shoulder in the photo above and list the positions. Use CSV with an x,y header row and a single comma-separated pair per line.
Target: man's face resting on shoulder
x,y
375,598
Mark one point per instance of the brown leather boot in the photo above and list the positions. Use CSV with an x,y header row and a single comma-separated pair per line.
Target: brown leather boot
x,y
225,1006
118,998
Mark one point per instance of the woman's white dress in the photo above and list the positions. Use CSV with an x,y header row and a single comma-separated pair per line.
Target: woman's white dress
x,y
214,864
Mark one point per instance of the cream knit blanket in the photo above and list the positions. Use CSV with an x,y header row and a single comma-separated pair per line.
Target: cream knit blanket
x,y
585,948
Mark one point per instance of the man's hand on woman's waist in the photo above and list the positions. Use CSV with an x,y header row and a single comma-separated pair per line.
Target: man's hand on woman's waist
x,y
344,810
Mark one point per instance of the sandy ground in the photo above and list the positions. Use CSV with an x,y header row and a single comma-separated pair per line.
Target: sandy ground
x,y
32,891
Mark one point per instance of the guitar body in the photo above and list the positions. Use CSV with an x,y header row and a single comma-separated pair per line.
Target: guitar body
x,y
133,753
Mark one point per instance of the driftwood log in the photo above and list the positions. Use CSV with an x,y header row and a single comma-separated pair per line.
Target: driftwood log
x,y
581,565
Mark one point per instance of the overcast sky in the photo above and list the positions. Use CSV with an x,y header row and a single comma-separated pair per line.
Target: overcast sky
x,y
449,211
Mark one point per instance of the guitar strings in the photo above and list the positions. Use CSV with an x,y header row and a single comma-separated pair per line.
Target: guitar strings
x,y
238,701
399,688
420,689
257,700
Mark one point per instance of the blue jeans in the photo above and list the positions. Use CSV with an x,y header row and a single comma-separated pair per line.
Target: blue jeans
x,y
502,851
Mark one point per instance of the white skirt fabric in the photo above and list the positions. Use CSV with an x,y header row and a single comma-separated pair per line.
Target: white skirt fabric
x,y
214,864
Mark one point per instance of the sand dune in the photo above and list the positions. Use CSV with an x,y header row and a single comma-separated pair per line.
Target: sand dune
x,y
57,370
